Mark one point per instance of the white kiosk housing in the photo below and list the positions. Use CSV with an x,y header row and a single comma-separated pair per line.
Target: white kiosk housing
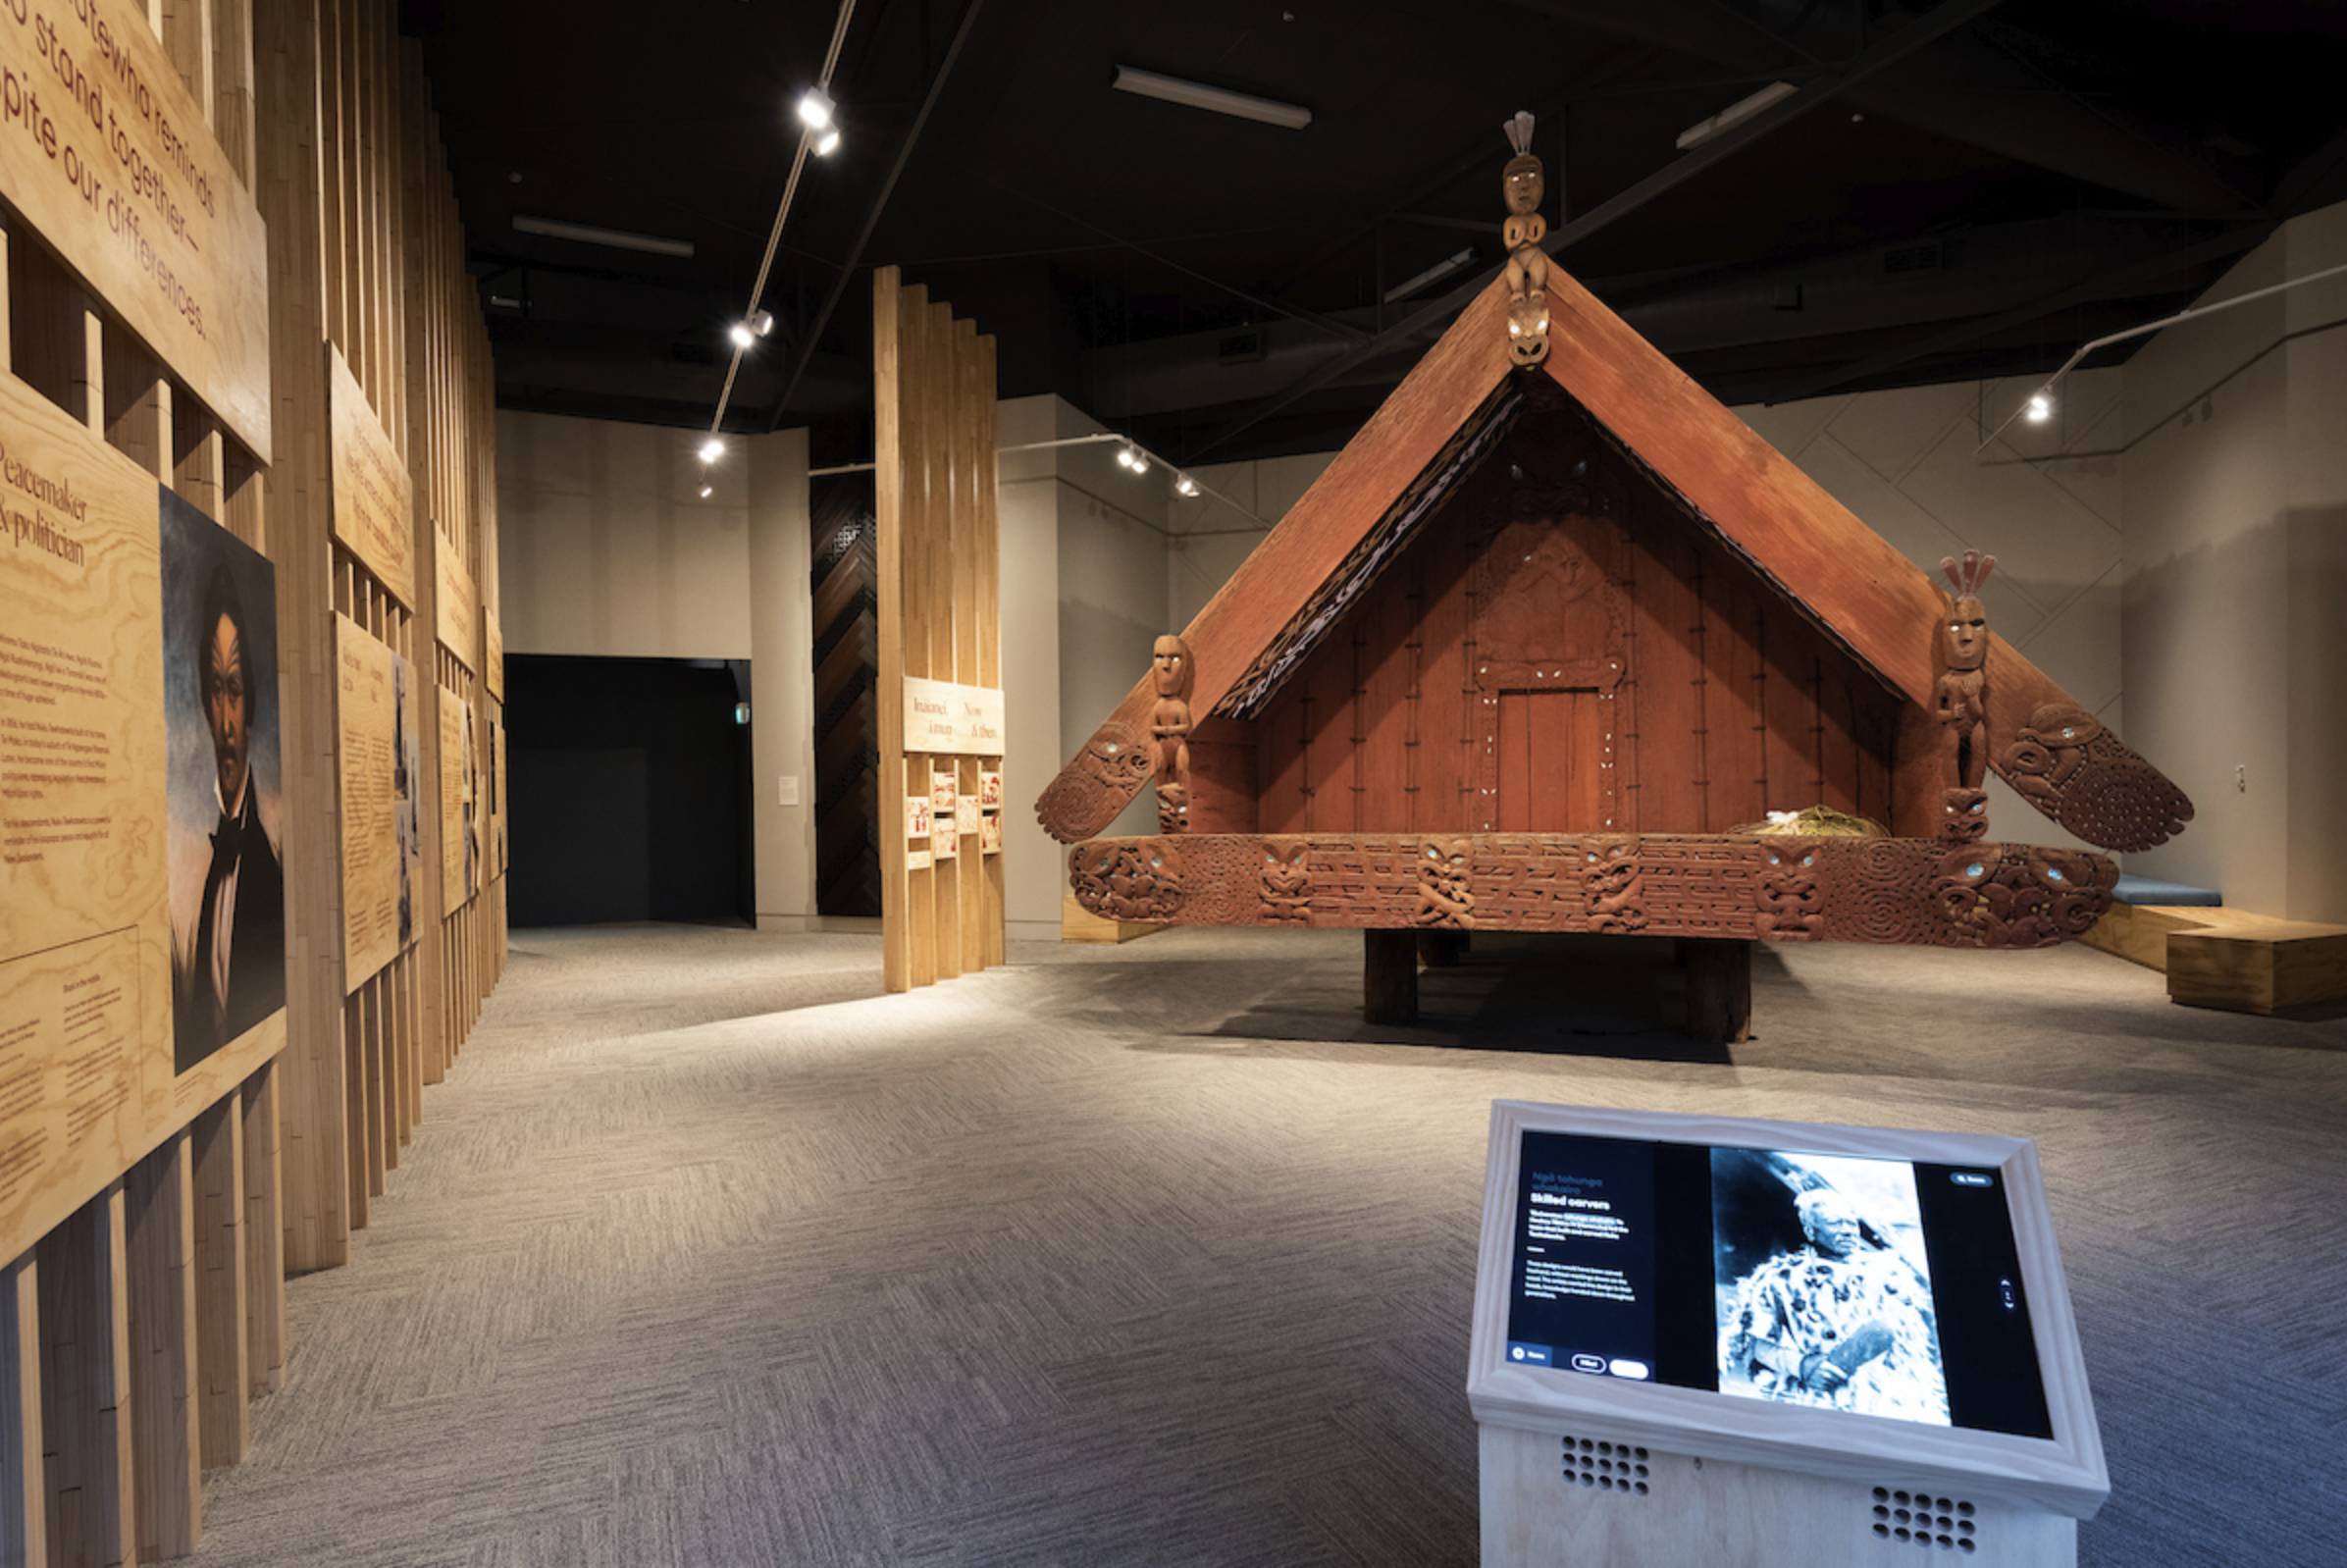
x,y
1707,1340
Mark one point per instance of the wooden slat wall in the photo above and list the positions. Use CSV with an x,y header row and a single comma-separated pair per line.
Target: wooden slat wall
x,y
132,1336
367,255
1732,706
939,565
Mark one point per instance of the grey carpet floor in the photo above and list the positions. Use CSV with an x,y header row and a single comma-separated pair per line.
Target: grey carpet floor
x,y
709,1253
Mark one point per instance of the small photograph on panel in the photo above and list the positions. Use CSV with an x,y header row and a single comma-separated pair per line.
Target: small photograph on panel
x,y
1824,1287
220,713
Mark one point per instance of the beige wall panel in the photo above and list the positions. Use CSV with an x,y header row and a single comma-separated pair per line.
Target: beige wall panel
x,y
85,953
118,169
378,900
374,507
459,612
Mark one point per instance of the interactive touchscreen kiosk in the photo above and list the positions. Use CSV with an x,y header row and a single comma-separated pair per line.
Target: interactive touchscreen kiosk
x,y
1707,1340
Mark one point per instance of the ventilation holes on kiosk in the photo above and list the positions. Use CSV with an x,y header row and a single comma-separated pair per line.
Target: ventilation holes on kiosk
x,y
1605,1466
1923,1519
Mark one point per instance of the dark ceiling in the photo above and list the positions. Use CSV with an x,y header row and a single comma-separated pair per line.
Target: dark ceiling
x,y
1959,190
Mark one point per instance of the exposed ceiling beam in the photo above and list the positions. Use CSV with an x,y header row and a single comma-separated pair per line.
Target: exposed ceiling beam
x,y
871,221
1936,24
2102,285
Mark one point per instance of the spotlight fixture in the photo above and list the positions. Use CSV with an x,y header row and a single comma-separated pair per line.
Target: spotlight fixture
x,y
1129,457
711,450
827,143
814,109
707,490
2039,409
1220,100
1184,485
761,321
741,335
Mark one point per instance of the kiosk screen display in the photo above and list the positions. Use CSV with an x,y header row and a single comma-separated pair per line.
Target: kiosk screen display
x,y
1878,1286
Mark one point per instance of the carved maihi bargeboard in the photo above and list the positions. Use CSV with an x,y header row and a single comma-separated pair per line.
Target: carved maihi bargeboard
x,y
1092,789
1922,891
2090,781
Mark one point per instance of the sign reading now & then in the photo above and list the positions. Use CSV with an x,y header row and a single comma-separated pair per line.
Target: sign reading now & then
x,y
941,716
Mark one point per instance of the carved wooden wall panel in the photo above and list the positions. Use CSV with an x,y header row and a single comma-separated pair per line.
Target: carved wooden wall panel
x,y
1912,891
1700,698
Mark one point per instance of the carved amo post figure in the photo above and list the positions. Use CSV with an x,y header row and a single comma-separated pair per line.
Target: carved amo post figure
x,y
1962,698
1522,185
1169,724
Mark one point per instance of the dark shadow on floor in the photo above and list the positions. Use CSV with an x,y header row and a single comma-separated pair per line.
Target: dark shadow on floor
x,y
1613,998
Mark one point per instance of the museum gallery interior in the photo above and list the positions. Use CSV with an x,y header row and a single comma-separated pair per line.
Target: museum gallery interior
x,y
996,782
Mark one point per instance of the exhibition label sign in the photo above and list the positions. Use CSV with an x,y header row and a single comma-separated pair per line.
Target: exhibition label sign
x,y
459,774
107,157
942,716
492,652
374,512
380,759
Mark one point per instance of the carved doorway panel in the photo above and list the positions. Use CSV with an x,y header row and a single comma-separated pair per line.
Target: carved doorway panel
x,y
1551,754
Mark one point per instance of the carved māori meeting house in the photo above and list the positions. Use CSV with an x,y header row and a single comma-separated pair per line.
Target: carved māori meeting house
x,y
1543,646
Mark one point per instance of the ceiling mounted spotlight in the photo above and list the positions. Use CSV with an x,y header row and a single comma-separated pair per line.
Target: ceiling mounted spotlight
x,y
741,335
1184,485
814,109
707,490
827,143
761,321
2041,408
711,450
1130,457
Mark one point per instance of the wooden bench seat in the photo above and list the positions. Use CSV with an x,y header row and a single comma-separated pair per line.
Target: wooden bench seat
x,y
2257,966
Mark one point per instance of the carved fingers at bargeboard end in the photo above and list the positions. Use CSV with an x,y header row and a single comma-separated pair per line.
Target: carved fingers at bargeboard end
x,y
2117,801
1093,788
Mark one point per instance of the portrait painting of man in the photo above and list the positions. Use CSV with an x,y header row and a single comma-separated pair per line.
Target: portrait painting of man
x,y
228,898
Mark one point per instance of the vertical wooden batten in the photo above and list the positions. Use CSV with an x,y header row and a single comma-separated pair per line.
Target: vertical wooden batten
x,y
939,593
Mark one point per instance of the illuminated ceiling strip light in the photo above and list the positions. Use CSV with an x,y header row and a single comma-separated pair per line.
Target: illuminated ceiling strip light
x,y
590,235
808,139
1219,100
1735,114
2044,389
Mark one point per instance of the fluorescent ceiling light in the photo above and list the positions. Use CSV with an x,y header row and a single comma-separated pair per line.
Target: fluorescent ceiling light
x,y
1735,114
616,238
1438,271
1221,100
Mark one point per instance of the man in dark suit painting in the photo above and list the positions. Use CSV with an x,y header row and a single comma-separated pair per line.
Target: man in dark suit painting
x,y
235,970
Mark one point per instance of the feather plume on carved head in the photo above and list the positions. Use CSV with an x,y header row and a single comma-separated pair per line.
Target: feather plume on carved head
x,y
1518,130
1967,575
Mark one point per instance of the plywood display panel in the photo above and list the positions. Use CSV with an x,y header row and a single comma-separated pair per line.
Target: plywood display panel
x,y
492,652
373,509
110,160
378,762
459,773
460,609
106,760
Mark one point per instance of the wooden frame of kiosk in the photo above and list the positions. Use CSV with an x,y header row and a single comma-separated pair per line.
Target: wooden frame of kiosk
x,y
1719,1339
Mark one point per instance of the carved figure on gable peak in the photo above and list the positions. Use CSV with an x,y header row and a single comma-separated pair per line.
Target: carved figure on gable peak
x,y
1523,184
1961,696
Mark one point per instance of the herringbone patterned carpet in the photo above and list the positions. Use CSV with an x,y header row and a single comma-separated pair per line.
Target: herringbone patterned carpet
x,y
710,1254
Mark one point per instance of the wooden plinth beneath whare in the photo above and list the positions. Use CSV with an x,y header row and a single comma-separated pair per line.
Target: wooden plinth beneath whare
x,y
1920,892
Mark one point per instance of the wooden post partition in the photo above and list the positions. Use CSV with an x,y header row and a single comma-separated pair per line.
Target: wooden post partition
x,y
938,561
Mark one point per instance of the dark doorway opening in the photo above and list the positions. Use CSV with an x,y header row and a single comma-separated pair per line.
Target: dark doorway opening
x,y
630,790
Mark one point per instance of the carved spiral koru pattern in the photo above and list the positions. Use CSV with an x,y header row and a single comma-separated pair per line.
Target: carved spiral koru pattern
x,y
1792,891
1126,879
1217,874
2018,896
1886,896
1096,785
